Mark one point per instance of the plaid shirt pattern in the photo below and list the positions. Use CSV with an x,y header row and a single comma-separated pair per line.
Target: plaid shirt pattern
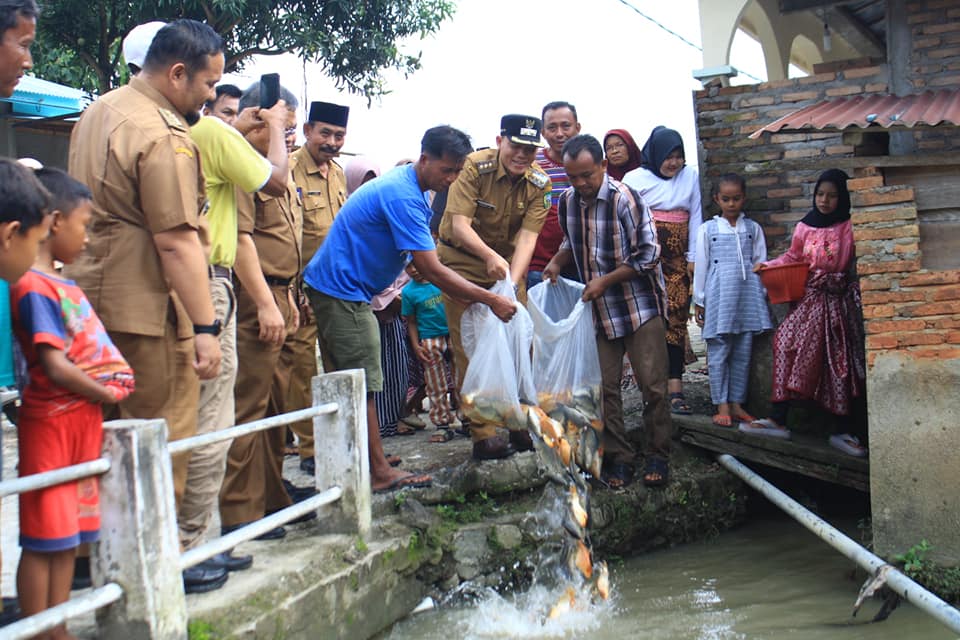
x,y
614,229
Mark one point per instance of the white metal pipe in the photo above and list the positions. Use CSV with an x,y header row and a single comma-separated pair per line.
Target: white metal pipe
x,y
46,479
46,620
209,549
187,444
896,580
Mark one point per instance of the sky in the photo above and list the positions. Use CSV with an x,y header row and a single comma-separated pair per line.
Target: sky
x,y
513,56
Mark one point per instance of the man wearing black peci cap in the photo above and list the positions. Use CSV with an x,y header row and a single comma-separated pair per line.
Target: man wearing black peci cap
x,y
323,188
494,212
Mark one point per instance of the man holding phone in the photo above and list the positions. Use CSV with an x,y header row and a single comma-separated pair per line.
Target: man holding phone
x,y
323,189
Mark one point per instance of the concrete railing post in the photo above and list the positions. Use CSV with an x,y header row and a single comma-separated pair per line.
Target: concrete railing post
x,y
138,547
341,451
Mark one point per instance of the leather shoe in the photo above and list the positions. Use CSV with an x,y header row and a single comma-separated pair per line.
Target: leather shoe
x,y
274,534
203,577
230,562
307,517
308,466
492,449
297,494
521,440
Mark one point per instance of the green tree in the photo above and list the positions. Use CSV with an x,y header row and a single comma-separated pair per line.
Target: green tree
x,y
78,43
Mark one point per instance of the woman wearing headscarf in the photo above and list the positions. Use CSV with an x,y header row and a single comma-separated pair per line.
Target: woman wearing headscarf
x,y
623,154
361,169
672,191
818,351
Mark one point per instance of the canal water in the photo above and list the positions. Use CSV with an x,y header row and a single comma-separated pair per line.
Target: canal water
x,y
770,579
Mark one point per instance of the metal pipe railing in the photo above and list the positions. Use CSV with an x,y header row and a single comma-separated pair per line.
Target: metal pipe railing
x,y
46,620
209,549
188,444
53,478
909,590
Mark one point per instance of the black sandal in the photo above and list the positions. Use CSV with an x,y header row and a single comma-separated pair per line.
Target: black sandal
x,y
617,475
656,466
443,434
678,405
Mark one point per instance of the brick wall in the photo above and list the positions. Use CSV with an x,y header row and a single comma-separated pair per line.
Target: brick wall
x,y
913,311
778,192
781,168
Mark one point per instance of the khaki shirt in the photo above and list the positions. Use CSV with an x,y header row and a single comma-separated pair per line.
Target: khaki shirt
x,y
498,208
276,223
321,198
134,151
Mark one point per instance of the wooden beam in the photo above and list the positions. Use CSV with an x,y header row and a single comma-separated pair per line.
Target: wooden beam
x,y
792,6
858,35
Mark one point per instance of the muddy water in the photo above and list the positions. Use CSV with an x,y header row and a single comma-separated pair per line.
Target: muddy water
x,y
770,579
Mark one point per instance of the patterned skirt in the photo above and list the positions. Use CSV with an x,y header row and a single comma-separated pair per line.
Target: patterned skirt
x,y
818,351
672,232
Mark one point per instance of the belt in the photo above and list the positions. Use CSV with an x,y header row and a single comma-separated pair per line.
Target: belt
x,y
217,271
277,282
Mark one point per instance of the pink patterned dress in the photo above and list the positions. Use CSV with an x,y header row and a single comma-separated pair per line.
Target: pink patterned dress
x,y
818,349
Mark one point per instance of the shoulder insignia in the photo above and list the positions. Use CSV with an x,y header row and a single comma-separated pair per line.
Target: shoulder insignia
x,y
171,119
185,151
486,166
537,178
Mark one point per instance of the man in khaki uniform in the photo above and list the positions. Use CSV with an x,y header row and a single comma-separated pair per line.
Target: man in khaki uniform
x,y
494,212
323,189
267,267
142,266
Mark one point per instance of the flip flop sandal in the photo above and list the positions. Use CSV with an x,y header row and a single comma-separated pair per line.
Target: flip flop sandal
x,y
656,466
764,427
679,406
414,421
405,430
443,434
409,481
849,444
617,475
744,417
723,421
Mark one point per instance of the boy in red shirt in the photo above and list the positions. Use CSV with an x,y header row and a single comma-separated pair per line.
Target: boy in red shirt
x,y
73,368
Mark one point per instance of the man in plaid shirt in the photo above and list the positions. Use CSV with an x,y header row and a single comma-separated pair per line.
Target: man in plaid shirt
x,y
610,236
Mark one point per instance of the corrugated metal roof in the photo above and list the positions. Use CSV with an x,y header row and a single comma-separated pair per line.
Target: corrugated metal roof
x,y
929,108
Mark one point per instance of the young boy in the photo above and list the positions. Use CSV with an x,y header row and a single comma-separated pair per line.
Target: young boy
x,y
422,306
73,368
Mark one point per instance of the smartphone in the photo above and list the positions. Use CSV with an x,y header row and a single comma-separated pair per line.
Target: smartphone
x,y
269,90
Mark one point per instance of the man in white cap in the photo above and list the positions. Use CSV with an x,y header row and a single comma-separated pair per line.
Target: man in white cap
x,y
137,43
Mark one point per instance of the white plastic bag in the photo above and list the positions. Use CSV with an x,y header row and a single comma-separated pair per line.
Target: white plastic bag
x,y
566,364
499,374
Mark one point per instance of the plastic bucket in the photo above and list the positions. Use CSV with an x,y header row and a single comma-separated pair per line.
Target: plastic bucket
x,y
785,282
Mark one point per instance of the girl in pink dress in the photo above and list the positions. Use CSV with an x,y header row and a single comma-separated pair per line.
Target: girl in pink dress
x,y
818,351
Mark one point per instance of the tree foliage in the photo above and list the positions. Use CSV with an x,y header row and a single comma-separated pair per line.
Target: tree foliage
x,y
355,41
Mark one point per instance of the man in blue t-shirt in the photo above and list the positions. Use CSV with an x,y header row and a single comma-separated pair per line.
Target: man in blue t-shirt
x,y
385,222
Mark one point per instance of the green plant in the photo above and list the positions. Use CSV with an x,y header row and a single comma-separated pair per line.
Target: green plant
x,y
914,559
200,630
360,545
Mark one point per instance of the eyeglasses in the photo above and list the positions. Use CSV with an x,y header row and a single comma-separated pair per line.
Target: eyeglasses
x,y
292,131
615,146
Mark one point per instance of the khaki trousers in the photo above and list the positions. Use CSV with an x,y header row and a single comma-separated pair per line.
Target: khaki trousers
x,y
299,358
167,387
647,349
215,413
253,483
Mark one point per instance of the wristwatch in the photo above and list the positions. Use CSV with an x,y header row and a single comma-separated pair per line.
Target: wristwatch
x,y
213,329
